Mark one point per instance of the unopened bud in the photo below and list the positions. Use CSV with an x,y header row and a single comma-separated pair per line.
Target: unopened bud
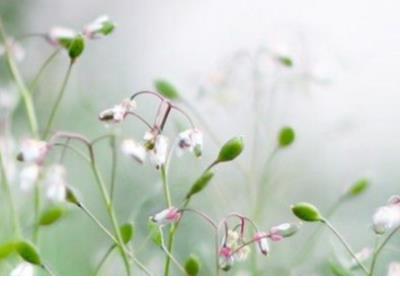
x,y
167,216
231,149
307,212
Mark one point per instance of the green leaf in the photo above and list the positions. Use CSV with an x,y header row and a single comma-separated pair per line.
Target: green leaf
x,y
76,47
166,89
192,265
28,252
127,232
6,249
200,183
359,187
155,233
306,212
231,149
286,137
51,215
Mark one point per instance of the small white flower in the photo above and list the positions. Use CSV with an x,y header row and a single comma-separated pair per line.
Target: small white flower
x,y
100,26
385,218
8,100
119,112
33,151
158,154
167,216
394,269
55,184
23,269
28,177
132,149
60,36
262,242
191,140
283,231
16,49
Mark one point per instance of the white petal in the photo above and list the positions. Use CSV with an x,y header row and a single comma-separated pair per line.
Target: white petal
x,y
23,269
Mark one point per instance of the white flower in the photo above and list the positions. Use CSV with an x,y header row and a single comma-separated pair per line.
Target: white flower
x,y
394,269
385,218
119,112
283,231
191,140
28,177
262,242
226,259
33,151
23,269
100,26
167,216
8,100
158,154
16,49
60,36
55,183
132,149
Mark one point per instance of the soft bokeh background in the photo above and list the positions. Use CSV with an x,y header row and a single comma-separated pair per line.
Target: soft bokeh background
x,y
341,96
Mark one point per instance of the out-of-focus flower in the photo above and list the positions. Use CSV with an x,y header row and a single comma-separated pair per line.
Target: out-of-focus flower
x,y
394,269
159,151
284,230
23,269
361,256
394,200
226,258
101,26
191,140
8,100
386,218
119,112
60,37
34,151
242,253
7,151
262,242
133,149
55,184
28,177
16,49
167,216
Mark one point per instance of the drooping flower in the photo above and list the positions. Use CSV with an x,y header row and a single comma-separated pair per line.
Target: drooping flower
x,y
55,184
167,216
23,269
28,177
158,151
34,151
284,230
386,218
191,140
119,112
60,37
17,51
262,242
226,258
133,149
101,26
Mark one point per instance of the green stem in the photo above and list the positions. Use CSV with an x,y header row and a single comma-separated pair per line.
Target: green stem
x,y
13,209
58,101
26,95
379,249
36,210
104,259
33,84
345,244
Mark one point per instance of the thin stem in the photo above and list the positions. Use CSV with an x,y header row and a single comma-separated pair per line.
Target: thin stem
x,y
167,194
47,269
104,259
114,164
379,249
58,101
33,84
26,95
36,208
169,255
6,187
345,244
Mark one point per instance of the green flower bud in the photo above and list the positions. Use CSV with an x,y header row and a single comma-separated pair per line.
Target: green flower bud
x,y
72,196
286,137
307,212
192,265
231,149
166,89
127,232
51,215
28,252
358,188
200,183
285,61
76,47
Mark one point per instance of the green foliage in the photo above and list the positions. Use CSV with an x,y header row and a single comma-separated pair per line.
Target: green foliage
x,y
192,265
51,215
155,233
166,89
28,252
306,212
285,61
127,232
286,137
200,183
6,249
231,149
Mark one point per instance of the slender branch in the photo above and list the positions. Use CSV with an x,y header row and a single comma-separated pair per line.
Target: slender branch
x,y
46,63
104,259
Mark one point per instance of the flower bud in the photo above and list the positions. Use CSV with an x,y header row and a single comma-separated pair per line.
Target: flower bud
x,y
76,47
127,232
285,60
191,140
61,37
192,266
226,259
158,154
119,112
101,26
262,242
167,216
286,137
231,149
28,252
33,151
306,212
359,187
200,183
283,231
166,89
385,218
134,150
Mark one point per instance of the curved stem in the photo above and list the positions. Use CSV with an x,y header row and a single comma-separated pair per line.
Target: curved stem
x,y
58,101
104,259
33,84
345,244
169,255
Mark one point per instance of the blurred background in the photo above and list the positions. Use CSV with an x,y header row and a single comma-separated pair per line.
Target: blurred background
x,y
340,95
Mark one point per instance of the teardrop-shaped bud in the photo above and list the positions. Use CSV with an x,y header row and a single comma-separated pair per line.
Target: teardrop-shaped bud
x,y
192,265
51,215
28,252
200,183
231,149
359,187
307,212
76,47
166,89
286,137
127,232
